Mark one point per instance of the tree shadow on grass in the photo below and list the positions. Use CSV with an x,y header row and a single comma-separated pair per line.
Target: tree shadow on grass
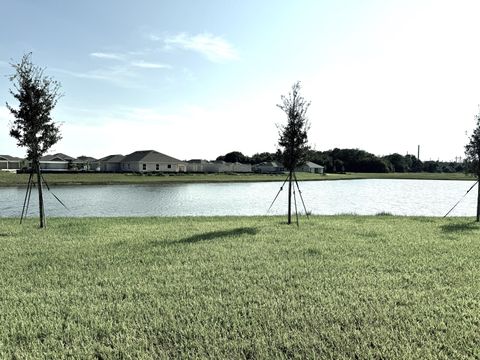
x,y
217,235
460,227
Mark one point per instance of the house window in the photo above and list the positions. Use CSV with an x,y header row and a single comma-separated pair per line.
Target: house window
x,y
144,166
169,166
157,167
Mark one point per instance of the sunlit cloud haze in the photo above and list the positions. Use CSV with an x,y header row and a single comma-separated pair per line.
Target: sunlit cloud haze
x,y
212,47
101,55
198,80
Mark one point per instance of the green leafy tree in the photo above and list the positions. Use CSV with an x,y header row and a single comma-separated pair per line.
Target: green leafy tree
x,y
414,164
234,156
398,161
472,153
262,157
293,136
431,166
33,127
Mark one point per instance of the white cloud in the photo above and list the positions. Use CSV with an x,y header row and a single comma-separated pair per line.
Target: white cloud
x,y
154,37
126,74
213,47
119,75
150,65
129,59
110,56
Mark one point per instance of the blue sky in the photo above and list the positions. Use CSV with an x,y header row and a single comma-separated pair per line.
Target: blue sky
x,y
197,79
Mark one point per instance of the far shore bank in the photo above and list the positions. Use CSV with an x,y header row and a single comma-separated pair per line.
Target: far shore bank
x,y
12,179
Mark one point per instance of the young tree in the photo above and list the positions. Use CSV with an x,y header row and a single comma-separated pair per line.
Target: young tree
x,y
293,136
472,153
33,127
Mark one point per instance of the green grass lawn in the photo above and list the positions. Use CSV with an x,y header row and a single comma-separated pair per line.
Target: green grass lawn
x,y
338,287
9,179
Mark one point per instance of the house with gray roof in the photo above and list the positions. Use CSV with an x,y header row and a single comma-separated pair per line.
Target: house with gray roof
x,y
56,162
269,167
197,165
152,161
311,168
57,157
218,166
8,162
87,163
111,163
241,168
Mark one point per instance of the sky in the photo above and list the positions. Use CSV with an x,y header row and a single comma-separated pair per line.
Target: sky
x,y
198,79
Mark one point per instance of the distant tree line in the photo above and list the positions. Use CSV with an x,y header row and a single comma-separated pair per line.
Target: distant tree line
x,y
355,160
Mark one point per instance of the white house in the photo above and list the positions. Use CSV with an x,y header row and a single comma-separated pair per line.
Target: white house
x,y
241,168
197,165
269,167
311,168
56,162
218,166
111,163
152,161
8,162
87,163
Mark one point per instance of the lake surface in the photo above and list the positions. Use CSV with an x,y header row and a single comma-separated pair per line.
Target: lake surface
x,y
363,197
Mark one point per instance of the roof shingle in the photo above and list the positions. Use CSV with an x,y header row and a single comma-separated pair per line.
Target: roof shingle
x,y
56,157
10,158
149,156
112,158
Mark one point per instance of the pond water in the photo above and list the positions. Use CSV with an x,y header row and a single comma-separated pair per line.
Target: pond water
x,y
363,197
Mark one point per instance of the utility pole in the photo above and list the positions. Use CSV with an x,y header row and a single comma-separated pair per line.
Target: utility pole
x,y
418,152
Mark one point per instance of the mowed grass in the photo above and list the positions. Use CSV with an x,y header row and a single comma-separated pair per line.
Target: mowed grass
x,y
12,179
226,287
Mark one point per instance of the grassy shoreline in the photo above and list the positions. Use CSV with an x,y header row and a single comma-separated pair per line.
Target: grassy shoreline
x,y
240,287
9,179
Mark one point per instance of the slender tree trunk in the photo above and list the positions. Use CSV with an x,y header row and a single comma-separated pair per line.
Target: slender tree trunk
x,y
478,201
41,207
290,198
